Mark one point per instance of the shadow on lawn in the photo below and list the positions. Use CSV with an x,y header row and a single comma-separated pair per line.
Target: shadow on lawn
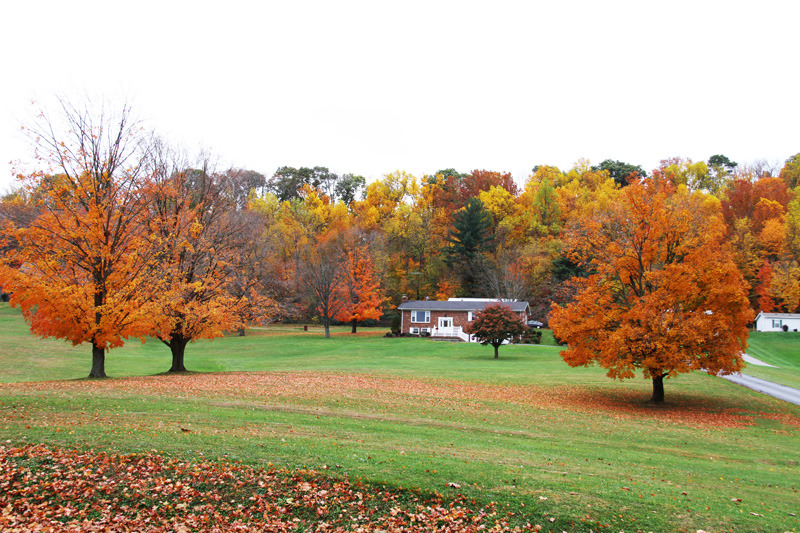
x,y
680,407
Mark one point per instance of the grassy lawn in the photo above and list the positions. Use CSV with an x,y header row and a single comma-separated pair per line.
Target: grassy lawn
x,y
565,448
781,349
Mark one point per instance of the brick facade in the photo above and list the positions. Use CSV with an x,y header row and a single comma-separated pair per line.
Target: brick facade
x,y
459,319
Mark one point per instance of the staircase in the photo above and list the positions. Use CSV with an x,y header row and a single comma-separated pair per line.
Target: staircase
x,y
453,334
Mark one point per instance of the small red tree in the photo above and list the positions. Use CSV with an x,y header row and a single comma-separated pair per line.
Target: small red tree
x,y
496,324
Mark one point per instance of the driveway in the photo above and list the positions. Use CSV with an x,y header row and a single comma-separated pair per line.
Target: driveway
x,y
782,392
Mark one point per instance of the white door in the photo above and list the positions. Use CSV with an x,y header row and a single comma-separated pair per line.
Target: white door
x,y
445,325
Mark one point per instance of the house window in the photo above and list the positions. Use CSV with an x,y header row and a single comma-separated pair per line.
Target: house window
x,y
777,324
420,317
413,331
470,317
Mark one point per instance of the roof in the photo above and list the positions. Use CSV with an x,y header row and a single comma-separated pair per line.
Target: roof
x,y
796,316
457,305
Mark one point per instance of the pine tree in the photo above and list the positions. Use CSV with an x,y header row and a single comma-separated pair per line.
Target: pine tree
x,y
468,240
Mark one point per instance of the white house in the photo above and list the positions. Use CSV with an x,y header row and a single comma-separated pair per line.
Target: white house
x,y
777,322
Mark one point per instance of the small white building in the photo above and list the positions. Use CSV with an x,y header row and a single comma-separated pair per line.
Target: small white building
x,y
777,321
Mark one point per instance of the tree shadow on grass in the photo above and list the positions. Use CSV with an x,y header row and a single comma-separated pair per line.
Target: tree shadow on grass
x,y
691,409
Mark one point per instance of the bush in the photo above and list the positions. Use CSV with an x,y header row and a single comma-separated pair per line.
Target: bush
x,y
532,336
394,324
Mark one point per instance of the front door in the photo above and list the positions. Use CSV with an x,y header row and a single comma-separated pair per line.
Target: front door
x,y
446,324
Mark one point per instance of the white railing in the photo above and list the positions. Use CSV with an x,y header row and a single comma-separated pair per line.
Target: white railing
x,y
454,331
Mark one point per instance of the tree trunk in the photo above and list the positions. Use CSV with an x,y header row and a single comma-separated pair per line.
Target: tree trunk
x,y
98,362
658,389
496,348
177,345
327,330
354,325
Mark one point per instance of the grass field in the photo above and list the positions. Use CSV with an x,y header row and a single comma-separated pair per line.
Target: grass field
x,y
781,349
565,448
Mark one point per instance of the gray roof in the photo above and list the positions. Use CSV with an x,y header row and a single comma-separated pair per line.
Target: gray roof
x,y
435,305
778,315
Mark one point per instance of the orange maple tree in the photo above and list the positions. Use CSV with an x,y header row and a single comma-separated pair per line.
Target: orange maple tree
x,y
361,290
78,270
664,295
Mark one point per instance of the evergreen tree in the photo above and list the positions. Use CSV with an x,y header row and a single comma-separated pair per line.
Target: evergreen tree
x,y
468,240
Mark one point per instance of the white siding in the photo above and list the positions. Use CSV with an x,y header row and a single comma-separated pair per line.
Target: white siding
x,y
776,321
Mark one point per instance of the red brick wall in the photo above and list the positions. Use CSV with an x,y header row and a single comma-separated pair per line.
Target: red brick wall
x,y
459,319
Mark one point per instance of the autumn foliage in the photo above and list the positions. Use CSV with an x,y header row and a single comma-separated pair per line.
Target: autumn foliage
x,y
79,268
361,291
115,242
664,295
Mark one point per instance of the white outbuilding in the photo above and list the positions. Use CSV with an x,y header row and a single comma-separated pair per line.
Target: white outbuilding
x,y
777,322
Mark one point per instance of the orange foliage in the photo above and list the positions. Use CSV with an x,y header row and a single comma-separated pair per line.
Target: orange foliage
x,y
766,302
773,238
96,491
361,291
743,196
208,283
82,261
666,296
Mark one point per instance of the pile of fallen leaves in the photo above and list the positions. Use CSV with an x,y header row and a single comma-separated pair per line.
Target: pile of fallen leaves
x,y
47,489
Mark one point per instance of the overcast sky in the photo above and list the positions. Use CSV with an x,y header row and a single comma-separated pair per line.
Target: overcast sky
x,y
372,87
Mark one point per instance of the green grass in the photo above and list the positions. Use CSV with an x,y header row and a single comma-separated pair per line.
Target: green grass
x,y
525,431
781,349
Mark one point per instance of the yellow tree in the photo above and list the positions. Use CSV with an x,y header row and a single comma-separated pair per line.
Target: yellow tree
x,y
78,272
784,285
664,295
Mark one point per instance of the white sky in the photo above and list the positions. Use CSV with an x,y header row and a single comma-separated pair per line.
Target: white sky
x,y
371,87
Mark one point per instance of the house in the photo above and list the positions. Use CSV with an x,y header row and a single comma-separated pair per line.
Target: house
x,y
447,318
777,322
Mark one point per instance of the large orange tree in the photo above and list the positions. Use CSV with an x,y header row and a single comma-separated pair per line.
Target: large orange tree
x,y
78,268
663,294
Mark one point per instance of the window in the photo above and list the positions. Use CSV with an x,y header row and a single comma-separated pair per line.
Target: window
x,y
413,331
420,317
777,323
470,317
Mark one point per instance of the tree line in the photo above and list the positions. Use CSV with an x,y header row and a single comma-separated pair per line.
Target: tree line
x,y
119,235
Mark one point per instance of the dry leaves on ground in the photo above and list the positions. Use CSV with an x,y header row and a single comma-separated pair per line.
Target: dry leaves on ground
x,y
46,489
